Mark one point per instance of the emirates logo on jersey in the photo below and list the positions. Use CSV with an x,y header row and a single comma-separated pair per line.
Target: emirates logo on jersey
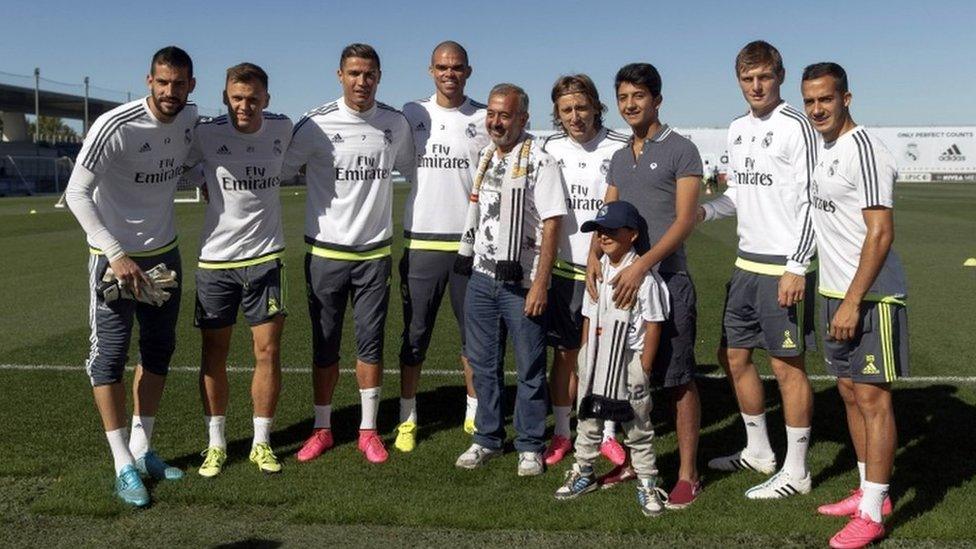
x,y
471,131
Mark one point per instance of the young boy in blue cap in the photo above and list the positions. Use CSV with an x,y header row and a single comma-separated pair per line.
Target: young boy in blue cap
x,y
615,361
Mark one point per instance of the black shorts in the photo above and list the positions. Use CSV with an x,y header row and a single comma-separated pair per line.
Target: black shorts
x,y
878,353
331,283
257,289
425,275
674,363
754,319
111,323
565,311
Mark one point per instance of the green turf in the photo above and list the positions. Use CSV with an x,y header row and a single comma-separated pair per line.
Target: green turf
x,y
55,477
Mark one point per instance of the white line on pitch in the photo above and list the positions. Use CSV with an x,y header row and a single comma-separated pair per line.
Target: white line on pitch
x,y
306,369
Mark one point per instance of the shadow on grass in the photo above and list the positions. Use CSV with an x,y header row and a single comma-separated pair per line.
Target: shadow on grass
x,y
934,428
250,543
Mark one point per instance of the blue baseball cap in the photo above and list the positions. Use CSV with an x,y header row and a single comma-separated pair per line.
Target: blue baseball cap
x,y
613,216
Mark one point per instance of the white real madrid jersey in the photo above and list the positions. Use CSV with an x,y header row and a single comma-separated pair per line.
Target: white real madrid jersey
x,y
128,168
447,143
771,162
853,173
242,223
584,167
350,157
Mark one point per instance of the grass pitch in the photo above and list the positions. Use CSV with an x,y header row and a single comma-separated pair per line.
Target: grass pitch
x,y
55,473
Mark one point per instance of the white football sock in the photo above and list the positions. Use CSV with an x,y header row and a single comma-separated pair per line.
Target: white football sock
x,y
609,430
323,417
861,468
797,442
408,410
561,414
369,400
873,498
757,439
215,428
471,408
119,444
141,437
262,430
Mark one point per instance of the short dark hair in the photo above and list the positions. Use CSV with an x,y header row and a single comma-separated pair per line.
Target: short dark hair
x,y
641,74
454,46
172,56
247,73
827,68
576,83
363,51
759,53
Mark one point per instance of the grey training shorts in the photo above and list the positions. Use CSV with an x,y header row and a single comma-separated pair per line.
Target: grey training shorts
x,y
425,275
754,319
878,353
257,289
330,284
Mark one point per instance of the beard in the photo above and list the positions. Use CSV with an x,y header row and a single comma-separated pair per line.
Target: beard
x,y
168,108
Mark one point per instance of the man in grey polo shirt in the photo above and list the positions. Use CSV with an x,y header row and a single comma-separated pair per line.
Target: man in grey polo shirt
x,y
660,173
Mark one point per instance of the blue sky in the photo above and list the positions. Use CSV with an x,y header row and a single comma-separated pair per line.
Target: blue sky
x,y
910,63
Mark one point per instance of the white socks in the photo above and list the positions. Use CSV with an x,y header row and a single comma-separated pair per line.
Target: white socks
x,y
562,420
369,399
323,417
408,410
215,429
861,468
471,408
872,499
119,444
609,430
797,441
139,441
757,439
262,430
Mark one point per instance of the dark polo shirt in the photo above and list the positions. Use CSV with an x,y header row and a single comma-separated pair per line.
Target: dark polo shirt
x,y
650,184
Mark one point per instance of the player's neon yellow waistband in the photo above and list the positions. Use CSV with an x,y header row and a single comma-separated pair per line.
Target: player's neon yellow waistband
x,y
770,269
243,262
431,245
148,253
328,253
877,298
565,269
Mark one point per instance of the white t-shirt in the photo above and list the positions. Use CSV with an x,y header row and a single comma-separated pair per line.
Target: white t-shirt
x,y
584,167
652,304
771,162
124,183
447,144
853,173
350,157
243,177
544,199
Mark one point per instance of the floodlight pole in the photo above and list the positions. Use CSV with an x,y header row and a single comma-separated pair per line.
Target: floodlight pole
x,y
84,133
37,104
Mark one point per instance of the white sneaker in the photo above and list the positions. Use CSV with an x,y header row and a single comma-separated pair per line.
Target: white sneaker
x,y
530,464
650,498
742,461
476,456
779,486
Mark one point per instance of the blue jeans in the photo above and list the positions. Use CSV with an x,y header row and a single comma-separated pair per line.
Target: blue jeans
x,y
487,305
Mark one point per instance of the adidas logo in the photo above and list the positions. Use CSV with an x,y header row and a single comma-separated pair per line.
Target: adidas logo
x,y
870,369
337,138
788,342
952,154
145,148
802,440
223,150
738,141
421,127
751,424
272,306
